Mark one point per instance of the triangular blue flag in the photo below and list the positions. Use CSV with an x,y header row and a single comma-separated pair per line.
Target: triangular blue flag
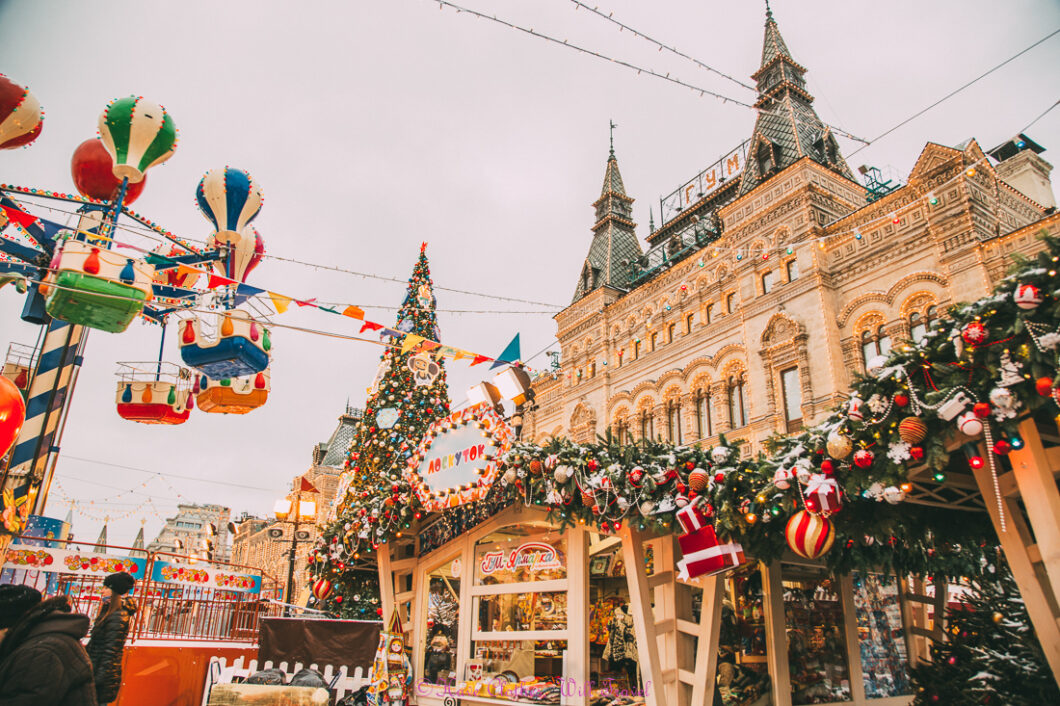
x,y
246,290
509,355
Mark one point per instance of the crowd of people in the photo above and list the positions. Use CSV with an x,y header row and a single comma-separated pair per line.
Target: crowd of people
x,y
42,658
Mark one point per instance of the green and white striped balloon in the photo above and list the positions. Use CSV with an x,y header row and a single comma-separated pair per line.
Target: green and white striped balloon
x,y
138,134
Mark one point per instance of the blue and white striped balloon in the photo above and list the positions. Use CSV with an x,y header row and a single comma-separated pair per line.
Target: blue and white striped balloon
x,y
230,199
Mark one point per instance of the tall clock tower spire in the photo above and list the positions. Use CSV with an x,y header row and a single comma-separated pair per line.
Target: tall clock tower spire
x,y
788,128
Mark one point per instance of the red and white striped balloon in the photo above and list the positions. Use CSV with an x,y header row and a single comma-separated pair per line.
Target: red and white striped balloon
x,y
21,118
809,535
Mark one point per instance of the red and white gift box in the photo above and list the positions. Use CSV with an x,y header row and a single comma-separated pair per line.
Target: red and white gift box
x,y
692,518
704,555
822,495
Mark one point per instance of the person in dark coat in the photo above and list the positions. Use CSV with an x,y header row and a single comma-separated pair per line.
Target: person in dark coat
x,y
41,657
107,643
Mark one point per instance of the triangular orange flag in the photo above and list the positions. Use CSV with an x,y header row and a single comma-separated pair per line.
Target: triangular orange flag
x,y
280,302
354,312
410,342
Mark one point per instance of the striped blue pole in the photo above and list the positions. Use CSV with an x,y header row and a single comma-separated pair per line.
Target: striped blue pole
x,y
45,403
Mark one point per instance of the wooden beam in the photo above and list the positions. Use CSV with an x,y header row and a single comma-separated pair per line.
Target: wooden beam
x,y
660,578
578,614
776,635
1034,476
643,618
386,582
707,644
1014,542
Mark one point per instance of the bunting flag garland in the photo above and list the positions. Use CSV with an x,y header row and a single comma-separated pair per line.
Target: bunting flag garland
x,y
280,302
509,355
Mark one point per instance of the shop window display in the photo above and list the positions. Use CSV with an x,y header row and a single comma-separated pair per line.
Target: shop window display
x,y
881,639
743,671
512,612
817,655
442,623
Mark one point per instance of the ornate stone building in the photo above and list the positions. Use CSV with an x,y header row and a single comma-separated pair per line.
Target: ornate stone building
x,y
776,276
266,543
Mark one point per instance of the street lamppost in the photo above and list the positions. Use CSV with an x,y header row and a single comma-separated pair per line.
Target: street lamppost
x,y
295,512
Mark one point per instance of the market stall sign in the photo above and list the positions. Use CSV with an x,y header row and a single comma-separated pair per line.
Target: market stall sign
x,y
51,560
532,556
455,462
204,577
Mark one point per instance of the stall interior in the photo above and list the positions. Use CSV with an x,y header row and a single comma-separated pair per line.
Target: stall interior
x,y
743,672
613,664
443,624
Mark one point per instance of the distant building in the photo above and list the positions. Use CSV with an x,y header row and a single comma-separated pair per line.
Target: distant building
x,y
190,529
265,543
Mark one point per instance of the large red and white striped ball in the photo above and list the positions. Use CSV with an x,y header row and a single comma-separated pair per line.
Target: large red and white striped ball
x,y
321,589
912,430
21,118
809,536
698,479
1027,296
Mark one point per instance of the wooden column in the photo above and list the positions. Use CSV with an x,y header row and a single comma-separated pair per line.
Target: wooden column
x,y
386,582
1017,545
776,635
665,596
577,616
643,616
468,612
706,664
1037,486
850,637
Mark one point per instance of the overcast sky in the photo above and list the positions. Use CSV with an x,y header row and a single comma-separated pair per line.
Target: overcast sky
x,y
375,125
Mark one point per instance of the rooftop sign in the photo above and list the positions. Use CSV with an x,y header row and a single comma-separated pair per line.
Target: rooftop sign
x,y
704,184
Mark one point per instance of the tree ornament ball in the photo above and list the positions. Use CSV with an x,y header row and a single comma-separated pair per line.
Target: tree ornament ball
x,y
969,424
719,477
635,475
681,500
856,409
974,333
782,479
1002,447
827,467
1027,296
560,474
719,454
839,445
901,400
1044,386
12,414
92,169
321,589
698,479
863,458
535,467
809,535
1002,397
916,453
981,410
997,617
912,430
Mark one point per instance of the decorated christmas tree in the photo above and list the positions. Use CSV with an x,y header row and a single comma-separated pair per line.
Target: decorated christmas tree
x,y
992,655
408,394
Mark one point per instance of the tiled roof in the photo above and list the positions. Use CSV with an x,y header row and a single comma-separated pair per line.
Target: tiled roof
x,y
339,443
612,178
774,45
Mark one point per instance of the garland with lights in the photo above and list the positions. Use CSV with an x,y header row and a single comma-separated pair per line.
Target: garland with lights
x,y
835,490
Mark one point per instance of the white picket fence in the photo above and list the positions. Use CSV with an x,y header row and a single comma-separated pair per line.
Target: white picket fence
x,y
339,681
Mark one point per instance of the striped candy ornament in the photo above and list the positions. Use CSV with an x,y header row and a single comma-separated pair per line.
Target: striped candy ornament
x,y
321,589
230,199
21,118
808,535
138,134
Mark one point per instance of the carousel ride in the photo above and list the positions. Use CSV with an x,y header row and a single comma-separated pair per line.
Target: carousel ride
x,y
90,274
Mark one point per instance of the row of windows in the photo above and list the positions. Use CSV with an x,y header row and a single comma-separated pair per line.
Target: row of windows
x,y
736,408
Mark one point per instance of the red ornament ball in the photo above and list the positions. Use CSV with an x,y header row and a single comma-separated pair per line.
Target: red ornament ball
x,y
1002,447
827,467
863,458
1044,386
974,333
917,453
338,599
593,464
536,467
91,168
901,400
981,410
719,477
321,589
809,535
1027,296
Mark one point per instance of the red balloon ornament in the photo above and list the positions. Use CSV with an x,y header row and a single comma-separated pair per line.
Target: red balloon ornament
x,y
92,170
12,414
21,117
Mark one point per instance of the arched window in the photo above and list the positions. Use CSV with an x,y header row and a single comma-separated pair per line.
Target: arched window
x,y
690,321
737,402
710,313
673,421
917,326
765,158
704,414
873,343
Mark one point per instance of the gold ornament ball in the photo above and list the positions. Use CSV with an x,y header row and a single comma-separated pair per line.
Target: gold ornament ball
x,y
997,617
912,430
839,445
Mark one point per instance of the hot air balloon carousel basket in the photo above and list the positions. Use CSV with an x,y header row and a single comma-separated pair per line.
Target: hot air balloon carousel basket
x,y
154,393
232,395
98,288
241,346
